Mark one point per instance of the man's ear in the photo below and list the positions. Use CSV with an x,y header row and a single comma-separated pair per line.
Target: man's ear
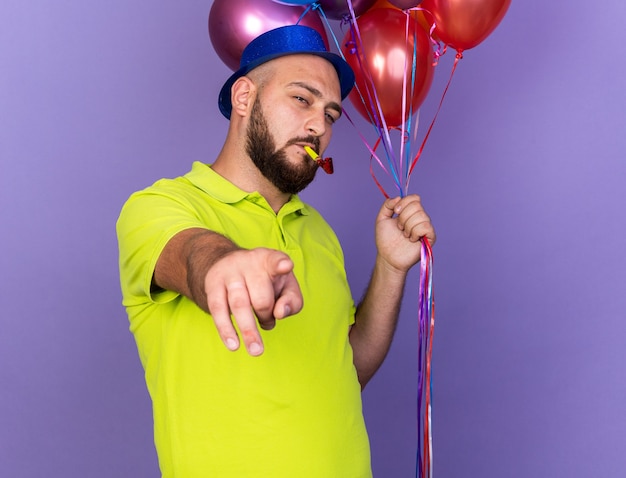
x,y
242,96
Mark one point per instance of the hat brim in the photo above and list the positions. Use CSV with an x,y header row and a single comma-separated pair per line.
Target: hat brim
x,y
344,72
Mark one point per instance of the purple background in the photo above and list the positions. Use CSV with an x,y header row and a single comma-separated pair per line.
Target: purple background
x,y
523,176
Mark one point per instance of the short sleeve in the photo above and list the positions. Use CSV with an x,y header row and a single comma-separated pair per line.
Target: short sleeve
x,y
147,222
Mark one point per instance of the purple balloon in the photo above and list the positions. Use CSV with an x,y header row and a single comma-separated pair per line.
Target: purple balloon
x,y
405,4
294,2
235,23
338,9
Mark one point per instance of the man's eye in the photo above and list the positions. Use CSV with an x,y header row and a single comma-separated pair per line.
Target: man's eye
x,y
330,118
301,100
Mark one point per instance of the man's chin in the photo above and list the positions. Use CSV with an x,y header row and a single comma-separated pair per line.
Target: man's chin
x,y
294,185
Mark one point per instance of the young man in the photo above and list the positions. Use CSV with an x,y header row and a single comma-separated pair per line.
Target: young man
x,y
236,291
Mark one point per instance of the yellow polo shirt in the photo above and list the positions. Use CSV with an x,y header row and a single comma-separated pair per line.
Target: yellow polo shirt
x,y
295,411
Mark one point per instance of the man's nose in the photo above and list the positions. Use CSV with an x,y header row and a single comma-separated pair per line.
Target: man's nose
x,y
316,124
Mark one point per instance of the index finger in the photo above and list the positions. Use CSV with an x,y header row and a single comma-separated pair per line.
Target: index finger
x,y
287,293
289,299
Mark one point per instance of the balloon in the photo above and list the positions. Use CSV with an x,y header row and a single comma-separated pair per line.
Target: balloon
x,y
235,23
463,24
338,9
294,2
405,4
381,4
387,57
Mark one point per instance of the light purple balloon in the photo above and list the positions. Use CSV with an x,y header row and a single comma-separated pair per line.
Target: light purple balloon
x,y
235,23
338,9
405,4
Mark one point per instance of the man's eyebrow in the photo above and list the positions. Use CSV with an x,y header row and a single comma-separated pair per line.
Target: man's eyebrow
x,y
317,93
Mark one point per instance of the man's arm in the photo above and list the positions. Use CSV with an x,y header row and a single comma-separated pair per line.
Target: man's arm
x,y
223,279
400,225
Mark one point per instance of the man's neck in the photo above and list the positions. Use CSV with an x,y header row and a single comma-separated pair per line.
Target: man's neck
x,y
246,176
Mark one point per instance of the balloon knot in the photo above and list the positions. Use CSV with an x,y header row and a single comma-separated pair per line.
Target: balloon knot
x,y
346,20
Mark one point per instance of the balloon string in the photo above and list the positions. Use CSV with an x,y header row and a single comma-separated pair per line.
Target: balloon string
x,y
373,155
406,155
378,118
379,128
380,187
405,126
373,174
309,7
438,49
370,90
458,57
316,6
426,319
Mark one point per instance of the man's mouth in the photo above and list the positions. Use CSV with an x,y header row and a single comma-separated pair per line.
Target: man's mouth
x,y
325,163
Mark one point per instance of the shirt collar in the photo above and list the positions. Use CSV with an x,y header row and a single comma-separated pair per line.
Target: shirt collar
x,y
203,177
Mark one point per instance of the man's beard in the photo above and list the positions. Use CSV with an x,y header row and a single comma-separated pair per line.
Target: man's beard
x,y
273,163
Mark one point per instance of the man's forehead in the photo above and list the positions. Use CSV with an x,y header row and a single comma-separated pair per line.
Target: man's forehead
x,y
303,68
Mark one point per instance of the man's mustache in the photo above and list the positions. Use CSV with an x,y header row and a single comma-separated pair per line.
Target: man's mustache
x,y
313,140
